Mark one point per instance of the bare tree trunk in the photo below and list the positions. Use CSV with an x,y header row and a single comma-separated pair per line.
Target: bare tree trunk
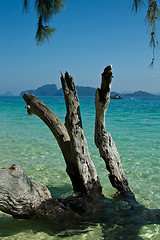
x,y
70,137
103,140
81,168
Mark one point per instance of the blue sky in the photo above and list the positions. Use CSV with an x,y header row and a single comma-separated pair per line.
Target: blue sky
x,y
90,35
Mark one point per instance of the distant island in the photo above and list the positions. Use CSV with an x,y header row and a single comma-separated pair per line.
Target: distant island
x,y
140,94
45,90
52,90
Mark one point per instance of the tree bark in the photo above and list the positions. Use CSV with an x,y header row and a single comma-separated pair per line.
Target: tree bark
x,y
81,168
103,140
23,198
70,138
37,107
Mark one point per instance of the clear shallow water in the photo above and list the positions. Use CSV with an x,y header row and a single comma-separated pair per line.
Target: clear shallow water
x,y
135,127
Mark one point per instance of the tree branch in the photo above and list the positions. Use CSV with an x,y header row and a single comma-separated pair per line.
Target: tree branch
x,y
37,107
81,170
103,140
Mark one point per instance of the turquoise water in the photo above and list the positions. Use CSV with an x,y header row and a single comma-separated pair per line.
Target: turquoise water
x,y
135,127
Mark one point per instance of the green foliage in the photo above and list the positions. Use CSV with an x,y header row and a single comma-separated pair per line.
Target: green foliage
x,y
25,5
136,4
43,32
152,16
45,10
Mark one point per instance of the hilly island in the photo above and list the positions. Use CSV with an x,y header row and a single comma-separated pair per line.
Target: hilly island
x,y
52,90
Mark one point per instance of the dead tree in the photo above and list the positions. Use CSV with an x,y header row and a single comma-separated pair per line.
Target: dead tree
x,y
103,140
23,198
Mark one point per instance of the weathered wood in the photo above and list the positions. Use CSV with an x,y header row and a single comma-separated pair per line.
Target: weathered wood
x,y
103,140
23,198
70,137
81,168
37,107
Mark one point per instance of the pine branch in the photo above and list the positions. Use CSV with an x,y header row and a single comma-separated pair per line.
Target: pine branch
x,y
136,4
43,32
46,9
25,5
153,14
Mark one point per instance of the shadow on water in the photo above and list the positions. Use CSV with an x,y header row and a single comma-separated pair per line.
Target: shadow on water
x,y
121,217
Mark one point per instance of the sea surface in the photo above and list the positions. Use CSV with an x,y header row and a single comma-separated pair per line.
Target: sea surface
x,y
134,124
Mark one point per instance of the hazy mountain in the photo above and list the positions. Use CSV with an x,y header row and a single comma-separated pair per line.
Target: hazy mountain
x,y
52,90
140,94
82,91
46,90
127,92
113,94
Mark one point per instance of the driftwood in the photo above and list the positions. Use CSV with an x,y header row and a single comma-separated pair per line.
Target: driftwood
x,y
24,198
103,140
70,137
81,168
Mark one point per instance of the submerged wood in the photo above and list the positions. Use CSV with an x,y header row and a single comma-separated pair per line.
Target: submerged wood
x,y
23,198
103,140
